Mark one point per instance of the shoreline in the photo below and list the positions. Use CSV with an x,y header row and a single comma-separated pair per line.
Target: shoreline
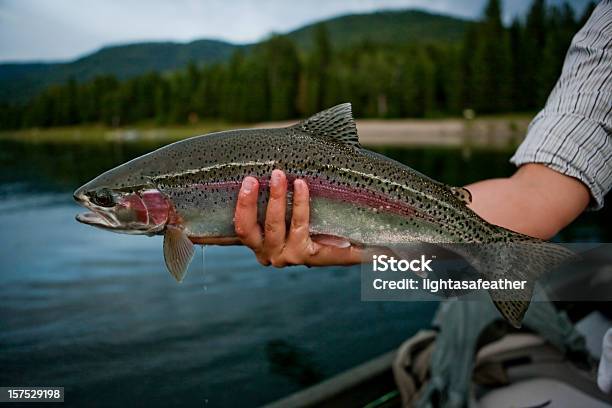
x,y
494,132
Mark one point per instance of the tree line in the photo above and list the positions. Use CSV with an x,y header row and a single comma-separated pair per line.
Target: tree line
x,y
492,69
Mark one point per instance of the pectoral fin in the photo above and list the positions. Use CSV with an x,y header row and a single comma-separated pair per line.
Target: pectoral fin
x,y
178,252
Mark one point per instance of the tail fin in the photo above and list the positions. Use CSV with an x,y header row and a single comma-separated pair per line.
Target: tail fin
x,y
519,259
526,260
513,310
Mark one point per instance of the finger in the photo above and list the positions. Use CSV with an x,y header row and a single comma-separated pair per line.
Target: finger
x,y
275,228
300,217
245,218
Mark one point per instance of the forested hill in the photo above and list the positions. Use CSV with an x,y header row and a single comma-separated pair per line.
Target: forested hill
x,y
386,27
20,81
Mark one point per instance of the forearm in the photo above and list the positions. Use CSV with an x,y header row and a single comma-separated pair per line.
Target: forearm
x,y
535,201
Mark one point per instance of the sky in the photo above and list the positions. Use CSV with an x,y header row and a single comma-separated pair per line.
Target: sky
x,y
60,30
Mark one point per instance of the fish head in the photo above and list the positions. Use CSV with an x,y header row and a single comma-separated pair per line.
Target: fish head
x,y
128,210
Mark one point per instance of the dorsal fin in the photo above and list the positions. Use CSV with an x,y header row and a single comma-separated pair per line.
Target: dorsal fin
x,y
336,122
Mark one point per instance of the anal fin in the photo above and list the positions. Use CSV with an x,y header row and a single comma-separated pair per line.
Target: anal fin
x,y
331,240
178,252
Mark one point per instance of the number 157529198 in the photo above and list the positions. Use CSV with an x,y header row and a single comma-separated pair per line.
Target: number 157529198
x,y
38,394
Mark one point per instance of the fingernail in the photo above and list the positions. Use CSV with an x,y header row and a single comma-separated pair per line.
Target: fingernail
x,y
298,184
276,176
248,184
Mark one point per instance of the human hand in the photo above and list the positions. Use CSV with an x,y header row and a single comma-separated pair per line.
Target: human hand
x,y
275,245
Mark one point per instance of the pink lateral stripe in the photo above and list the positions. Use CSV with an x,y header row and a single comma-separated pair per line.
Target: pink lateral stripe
x,y
322,188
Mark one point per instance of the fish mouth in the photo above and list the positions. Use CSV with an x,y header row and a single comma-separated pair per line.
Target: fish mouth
x,y
91,217
95,219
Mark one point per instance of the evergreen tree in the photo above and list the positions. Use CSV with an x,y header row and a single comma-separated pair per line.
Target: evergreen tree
x,y
492,63
320,61
283,74
518,58
467,55
535,41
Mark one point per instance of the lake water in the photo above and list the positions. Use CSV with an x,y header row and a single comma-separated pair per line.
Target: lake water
x,y
98,314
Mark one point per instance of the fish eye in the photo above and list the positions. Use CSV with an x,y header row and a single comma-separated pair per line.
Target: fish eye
x,y
103,198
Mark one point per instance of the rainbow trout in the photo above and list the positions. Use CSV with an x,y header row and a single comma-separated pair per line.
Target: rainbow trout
x,y
187,192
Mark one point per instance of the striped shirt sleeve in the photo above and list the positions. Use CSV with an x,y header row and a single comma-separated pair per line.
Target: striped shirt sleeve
x,y
573,133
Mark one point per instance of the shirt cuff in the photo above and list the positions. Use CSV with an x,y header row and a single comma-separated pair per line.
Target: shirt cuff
x,y
572,145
